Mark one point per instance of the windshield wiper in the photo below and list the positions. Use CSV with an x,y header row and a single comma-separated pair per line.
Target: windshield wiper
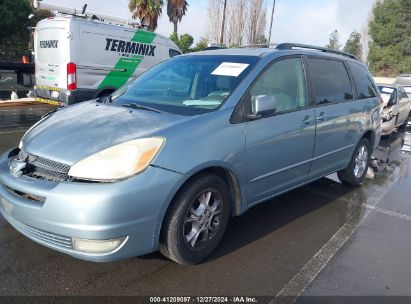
x,y
139,107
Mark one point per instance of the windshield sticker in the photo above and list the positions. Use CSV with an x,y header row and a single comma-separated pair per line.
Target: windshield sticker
x,y
387,90
230,69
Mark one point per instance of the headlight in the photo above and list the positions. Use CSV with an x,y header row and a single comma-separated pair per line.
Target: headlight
x,y
118,162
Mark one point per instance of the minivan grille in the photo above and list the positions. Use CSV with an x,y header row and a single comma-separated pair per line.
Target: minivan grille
x,y
42,168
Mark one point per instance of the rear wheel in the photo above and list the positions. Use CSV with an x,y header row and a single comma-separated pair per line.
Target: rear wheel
x,y
196,220
356,171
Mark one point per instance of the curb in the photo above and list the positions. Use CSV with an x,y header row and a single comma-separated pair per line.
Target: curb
x,y
19,102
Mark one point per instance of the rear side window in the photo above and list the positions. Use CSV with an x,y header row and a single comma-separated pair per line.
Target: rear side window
x,y
363,81
403,93
330,81
173,53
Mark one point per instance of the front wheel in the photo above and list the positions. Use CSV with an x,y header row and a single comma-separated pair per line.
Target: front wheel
x,y
196,220
404,125
356,171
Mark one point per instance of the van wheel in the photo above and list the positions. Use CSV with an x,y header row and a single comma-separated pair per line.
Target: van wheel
x,y
196,220
104,93
356,171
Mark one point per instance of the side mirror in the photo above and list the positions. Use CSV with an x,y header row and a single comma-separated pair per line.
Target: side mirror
x,y
263,105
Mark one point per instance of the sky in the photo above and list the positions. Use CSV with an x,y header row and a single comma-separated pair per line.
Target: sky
x,y
309,21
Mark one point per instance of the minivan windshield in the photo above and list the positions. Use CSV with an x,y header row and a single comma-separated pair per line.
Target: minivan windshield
x,y
187,85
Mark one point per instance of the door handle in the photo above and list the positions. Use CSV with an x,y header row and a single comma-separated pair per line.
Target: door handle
x,y
321,117
307,120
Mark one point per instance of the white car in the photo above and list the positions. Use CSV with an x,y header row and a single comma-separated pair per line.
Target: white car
x,y
396,109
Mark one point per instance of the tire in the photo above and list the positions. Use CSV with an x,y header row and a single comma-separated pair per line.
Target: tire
x,y
105,93
356,171
404,125
196,220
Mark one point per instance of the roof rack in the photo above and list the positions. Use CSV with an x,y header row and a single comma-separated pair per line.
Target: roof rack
x,y
290,46
266,45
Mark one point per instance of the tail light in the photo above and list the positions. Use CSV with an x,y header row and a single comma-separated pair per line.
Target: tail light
x,y
24,59
71,76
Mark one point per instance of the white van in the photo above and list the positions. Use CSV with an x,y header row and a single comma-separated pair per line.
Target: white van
x,y
78,58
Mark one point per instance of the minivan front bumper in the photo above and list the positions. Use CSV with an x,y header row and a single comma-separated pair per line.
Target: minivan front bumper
x,y
55,214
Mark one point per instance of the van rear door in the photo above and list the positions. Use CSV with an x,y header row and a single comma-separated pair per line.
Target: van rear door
x,y
52,51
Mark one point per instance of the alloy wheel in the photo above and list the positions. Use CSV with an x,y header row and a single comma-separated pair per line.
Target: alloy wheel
x,y
361,161
203,219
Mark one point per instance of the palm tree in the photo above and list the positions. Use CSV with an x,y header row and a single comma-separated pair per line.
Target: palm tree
x,y
176,9
148,11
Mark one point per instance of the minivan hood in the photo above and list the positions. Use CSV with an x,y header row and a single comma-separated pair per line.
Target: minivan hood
x,y
73,133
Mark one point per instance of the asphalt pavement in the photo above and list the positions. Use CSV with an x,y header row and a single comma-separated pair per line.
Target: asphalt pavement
x,y
324,239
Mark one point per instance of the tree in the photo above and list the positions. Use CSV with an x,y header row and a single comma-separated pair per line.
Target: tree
x,y
334,42
390,31
184,42
176,9
148,11
236,22
215,17
353,44
256,21
201,45
14,23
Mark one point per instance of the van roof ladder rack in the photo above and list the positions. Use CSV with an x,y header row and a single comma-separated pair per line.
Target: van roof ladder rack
x,y
290,46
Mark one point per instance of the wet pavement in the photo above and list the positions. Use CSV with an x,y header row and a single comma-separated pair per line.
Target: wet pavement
x,y
322,239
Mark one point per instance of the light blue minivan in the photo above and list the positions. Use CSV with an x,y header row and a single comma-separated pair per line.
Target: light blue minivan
x,y
165,161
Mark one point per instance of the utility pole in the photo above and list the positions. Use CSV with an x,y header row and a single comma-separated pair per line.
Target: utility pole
x,y
271,24
223,24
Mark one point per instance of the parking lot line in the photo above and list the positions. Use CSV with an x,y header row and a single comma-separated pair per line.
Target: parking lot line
x,y
388,212
296,286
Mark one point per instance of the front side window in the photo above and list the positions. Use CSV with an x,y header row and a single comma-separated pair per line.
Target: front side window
x,y
330,81
284,80
187,85
363,81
